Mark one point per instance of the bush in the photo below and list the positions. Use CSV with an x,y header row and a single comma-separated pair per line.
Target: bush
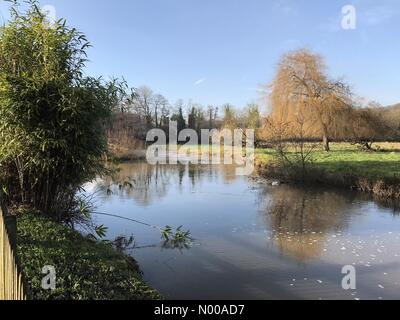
x,y
52,117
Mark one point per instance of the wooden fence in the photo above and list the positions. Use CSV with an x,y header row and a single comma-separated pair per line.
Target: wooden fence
x,y
11,286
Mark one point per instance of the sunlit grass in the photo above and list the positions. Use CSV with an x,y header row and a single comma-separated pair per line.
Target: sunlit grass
x,y
347,158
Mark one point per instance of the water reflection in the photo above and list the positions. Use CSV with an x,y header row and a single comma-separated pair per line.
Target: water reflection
x,y
300,219
253,240
148,184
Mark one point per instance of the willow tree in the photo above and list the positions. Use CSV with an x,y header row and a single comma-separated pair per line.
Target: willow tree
x,y
369,126
302,89
52,116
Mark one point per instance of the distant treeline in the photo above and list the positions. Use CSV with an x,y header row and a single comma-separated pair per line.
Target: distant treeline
x,y
323,109
142,110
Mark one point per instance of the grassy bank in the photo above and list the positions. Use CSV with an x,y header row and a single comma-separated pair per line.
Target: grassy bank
x,y
347,158
85,269
376,172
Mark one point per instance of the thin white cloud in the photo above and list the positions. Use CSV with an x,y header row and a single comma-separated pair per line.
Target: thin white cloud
x,y
200,81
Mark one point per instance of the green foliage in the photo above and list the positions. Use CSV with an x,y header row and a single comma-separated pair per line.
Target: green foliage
x,y
52,117
85,269
180,235
101,231
192,119
179,118
166,233
177,239
4,191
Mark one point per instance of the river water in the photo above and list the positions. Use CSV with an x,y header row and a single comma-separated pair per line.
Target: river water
x,y
252,241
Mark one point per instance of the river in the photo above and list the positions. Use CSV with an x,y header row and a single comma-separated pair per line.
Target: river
x,y
252,240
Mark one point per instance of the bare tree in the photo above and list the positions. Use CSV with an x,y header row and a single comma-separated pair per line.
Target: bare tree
x,y
165,114
212,113
151,107
160,106
143,104
294,156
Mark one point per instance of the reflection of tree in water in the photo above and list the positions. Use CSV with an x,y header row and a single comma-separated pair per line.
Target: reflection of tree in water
x,y
197,173
300,219
149,183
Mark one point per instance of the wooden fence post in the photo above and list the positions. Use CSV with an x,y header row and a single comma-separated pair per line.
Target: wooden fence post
x,y
10,223
11,226
11,282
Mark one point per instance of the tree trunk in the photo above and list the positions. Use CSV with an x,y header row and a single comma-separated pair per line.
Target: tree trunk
x,y
368,145
325,142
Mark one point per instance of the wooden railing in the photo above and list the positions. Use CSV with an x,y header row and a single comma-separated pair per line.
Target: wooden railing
x,y
11,286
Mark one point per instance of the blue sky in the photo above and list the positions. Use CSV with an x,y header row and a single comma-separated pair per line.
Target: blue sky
x,y
218,51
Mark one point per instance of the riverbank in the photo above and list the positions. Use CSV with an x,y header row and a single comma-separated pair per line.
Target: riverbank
x,y
85,269
374,172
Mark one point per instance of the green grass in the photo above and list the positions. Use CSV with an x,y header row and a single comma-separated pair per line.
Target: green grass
x,y
85,269
346,158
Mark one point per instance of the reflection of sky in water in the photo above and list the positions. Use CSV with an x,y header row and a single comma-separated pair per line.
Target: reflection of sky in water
x,y
253,241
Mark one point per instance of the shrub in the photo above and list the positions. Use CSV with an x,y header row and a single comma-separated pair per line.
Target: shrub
x,y
51,116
